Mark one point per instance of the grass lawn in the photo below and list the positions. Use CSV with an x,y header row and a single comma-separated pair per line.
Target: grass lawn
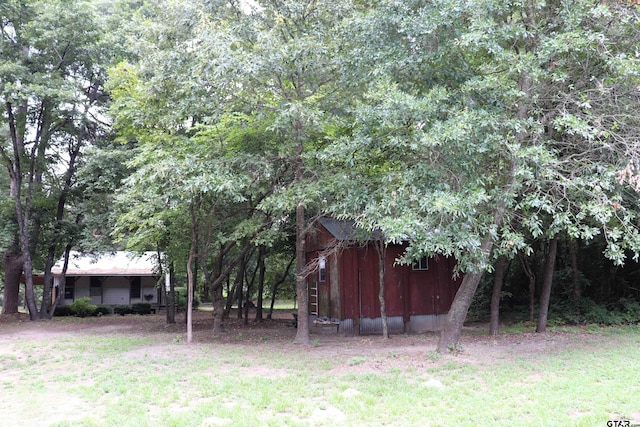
x,y
136,371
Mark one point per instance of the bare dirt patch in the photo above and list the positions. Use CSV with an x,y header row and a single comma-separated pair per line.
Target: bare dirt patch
x,y
277,334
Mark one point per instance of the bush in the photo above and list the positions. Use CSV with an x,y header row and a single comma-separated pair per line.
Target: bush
x,y
141,308
585,310
63,310
82,307
103,310
122,310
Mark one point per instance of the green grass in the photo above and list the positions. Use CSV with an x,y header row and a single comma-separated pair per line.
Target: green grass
x,y
125,380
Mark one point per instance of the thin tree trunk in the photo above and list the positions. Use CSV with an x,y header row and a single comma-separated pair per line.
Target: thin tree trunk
x,y
231,298
58,297
239,290
247,300
575,272
13,266
191,276
171,300
216,285
261,275
381,249
275,287
532,286
48,305
501,264
216,294
190,295
218,309
302,291
545,295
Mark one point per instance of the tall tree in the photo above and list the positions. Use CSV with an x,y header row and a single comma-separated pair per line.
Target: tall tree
x,y
496,114
282,62
51,90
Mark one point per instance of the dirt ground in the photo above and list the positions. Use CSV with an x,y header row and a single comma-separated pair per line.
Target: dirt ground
x,y
279,332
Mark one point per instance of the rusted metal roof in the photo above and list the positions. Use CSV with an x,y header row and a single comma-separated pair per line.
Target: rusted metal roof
x,y
346,230
119,263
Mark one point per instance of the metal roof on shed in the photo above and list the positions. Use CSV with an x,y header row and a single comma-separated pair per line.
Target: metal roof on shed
x,y
345,230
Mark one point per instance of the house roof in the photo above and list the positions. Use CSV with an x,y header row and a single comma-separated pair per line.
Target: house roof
x,y
119,263
344,230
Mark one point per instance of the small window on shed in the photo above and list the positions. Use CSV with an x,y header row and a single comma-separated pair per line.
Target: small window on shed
x,y
322,269
422,264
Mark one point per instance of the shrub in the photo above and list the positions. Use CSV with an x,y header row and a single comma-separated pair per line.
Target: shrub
x,y
587,311
122,310
82,307
141,308
103,310
63,310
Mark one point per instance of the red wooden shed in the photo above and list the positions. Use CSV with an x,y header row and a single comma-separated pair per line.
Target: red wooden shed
x,y
344,287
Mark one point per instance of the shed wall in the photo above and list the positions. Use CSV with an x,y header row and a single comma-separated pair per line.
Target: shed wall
x,y
417,299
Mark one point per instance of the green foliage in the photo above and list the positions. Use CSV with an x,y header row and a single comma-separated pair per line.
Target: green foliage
x,y
181,300
82,307
122,310
141,308
103,310
586,311
63,310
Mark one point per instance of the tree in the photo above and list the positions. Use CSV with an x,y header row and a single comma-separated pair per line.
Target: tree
x,y
281,62
488,115
51,90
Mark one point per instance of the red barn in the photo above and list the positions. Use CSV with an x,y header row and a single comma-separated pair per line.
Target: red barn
x,y
344,287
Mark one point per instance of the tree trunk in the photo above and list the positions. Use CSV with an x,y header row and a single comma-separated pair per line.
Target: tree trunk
x,y
218,310
498,281
302,332
46,311
302,292
575,272
171,296
217,294
275,287
60,294
190,275
532,286
190,295
247,300
239,290
381,249
545,295
261,275
450,336
12,274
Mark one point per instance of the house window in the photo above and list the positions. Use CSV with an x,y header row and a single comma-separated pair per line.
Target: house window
x,y
136,288
322,269
421,264
95,286
69,287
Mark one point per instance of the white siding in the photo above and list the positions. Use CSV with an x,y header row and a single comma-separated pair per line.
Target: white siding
x,y
149,288
115,291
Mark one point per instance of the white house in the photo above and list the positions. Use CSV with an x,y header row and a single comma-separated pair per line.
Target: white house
x,y
111,278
